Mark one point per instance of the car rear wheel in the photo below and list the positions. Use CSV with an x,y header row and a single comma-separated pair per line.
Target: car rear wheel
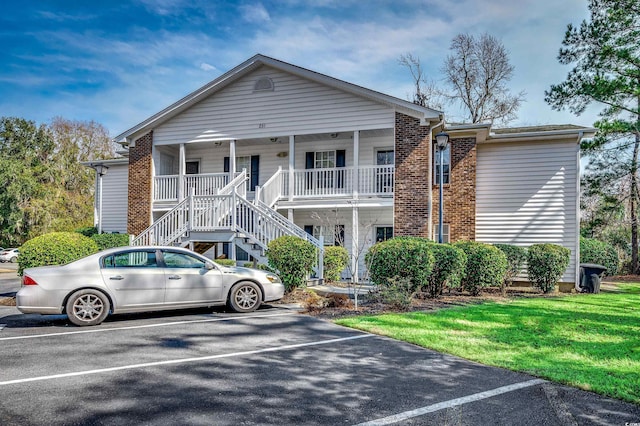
x,y
245,297
87,307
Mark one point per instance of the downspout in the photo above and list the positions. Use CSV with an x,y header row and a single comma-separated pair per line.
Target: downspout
x,y
577,243
430,178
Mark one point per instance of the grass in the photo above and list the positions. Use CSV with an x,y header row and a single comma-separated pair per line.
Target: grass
x,y
588,341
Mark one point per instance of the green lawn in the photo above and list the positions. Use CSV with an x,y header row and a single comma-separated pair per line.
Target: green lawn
x,y
588,341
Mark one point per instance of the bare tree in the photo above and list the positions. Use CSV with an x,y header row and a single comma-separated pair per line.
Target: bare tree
x,y
426,92
477,72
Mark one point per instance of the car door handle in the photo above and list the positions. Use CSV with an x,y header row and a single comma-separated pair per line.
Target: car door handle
x,y
117,278
175,277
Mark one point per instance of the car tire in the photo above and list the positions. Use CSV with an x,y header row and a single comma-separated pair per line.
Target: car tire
x,y
245,297
87,307
14,259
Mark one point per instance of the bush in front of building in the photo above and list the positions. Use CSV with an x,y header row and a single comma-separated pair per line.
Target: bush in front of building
x,y
486,266
56,248
293,258
516,257
87,231
336,259
401,257
106,241
599,252
546,263
225,262
448,269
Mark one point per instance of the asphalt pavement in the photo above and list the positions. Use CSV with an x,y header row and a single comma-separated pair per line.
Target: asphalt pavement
x,y
271,367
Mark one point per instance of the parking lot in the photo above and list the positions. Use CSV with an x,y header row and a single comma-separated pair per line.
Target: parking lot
x,y
273,366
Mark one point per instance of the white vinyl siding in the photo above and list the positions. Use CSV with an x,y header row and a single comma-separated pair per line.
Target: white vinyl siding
x,y
295,106
115,199
527,194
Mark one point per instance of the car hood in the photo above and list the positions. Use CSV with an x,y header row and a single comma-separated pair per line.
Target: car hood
x,y
247,272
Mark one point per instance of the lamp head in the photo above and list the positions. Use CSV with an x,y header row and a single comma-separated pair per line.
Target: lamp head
x,y
442,140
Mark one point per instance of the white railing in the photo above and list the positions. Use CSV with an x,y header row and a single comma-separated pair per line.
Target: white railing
x,y
271,191
376,180
166,188
168,228
336,181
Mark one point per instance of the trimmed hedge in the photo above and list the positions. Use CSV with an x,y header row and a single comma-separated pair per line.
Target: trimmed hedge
x,y
546,263
87,231
596,251
225,262
56,248
400,258
260,266
106,241
293,258
448,269
336,259
486,266
516,257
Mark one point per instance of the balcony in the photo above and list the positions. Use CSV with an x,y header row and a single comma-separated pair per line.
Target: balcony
x,y
330,183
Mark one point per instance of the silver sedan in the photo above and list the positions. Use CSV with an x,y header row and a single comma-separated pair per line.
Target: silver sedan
x,y
138,279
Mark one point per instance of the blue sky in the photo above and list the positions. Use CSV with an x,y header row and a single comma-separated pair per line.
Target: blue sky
x,y
118,62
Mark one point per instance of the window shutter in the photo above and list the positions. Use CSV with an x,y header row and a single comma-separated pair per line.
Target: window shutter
x,y
341,161
339,235
255,171
226,165
309,159
308,229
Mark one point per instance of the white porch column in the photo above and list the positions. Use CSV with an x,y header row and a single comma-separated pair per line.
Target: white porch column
x,y
182,169
290,214
292,164
355,237
356,163
232,159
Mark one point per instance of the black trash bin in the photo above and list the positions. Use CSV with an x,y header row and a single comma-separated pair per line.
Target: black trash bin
x,y
590,276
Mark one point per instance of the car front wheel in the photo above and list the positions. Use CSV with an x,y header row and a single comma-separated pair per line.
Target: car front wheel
x,y
14,259
245,297
87,307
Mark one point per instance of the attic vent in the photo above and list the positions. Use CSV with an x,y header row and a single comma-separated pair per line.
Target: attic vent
x,y
263,84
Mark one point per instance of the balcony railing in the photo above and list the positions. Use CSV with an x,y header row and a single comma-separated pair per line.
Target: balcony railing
x,y
339,182
166,188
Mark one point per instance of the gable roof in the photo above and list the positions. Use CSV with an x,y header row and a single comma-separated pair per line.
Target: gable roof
x,y
424,114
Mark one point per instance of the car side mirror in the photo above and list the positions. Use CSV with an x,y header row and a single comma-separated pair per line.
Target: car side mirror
x,y
209,265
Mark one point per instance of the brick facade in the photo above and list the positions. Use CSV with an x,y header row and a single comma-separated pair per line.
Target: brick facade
x,y
140,177
410,202
460,194
412,145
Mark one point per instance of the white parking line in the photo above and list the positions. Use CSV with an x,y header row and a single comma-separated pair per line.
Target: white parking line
x,y
164,324
183,361
451,403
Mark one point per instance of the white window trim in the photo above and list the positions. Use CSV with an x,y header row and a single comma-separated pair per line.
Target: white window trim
x,y
446,232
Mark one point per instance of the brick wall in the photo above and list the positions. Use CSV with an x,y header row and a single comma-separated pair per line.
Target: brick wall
x,y
412,145
460,194
140,175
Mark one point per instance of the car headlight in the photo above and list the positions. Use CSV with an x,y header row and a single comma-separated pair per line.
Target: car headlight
x,y
273,278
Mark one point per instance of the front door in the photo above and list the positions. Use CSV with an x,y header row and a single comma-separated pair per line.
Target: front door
x,y
188,281
135,278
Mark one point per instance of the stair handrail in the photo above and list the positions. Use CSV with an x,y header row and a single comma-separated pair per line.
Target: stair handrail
x,y
286,224
271,191
174,223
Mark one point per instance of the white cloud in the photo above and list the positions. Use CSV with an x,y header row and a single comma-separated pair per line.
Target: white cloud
x,y
207,67
255,13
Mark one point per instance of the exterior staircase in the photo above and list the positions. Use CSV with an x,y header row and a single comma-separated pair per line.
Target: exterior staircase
x,y
225,217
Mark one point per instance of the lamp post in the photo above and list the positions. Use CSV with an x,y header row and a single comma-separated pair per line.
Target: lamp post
x,y
442,140
101,170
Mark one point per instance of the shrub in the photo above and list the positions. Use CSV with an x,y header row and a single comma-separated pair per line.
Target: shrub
x,y
596,251
486,266
546,263
516,256
87,231
448,268
225,262
397,293
312,301
56,248
401,257
335,260
105,241
293,258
